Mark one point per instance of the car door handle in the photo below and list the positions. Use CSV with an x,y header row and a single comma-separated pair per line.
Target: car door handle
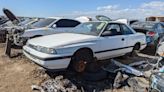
x,y
122,39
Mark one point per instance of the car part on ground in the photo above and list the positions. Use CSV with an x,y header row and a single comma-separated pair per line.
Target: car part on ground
x,y
128,69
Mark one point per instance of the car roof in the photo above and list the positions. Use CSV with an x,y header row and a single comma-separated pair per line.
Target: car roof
x,y
109,22
148,22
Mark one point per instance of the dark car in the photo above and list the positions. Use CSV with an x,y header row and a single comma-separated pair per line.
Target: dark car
x,y
153,31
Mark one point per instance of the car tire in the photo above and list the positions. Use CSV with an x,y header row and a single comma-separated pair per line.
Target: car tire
x,y
135,50
80,60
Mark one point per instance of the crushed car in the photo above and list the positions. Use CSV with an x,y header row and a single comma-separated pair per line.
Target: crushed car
x,y
87,41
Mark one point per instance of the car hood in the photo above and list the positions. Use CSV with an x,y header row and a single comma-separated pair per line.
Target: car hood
x,y
36,29
11,16
61,39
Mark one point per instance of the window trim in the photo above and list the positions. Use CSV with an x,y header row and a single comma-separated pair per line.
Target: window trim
x,y
123,30
106,27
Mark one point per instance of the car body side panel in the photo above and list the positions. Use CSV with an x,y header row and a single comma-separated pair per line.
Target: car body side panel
x,y
108,46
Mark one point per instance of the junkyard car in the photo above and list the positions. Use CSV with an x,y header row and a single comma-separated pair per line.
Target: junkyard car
x,y
88,41
19,35
153,30
46,27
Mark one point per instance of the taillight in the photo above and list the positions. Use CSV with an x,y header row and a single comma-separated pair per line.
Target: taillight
x,y
151,33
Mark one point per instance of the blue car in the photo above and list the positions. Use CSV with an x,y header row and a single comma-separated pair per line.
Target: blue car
x,y
153,31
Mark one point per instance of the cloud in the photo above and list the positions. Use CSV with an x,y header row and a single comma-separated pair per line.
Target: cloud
x,y
154,5
107,8
153,8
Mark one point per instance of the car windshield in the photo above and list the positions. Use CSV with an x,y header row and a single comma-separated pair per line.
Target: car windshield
x,y
43,23
89,28
25,22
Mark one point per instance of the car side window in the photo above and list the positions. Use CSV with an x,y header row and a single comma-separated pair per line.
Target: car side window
x,y
112,30
67,23
126,30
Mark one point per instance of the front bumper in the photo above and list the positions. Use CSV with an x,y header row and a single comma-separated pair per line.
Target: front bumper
x,y
47,61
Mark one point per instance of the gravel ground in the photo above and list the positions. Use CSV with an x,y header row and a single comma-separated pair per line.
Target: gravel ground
x,y
18,74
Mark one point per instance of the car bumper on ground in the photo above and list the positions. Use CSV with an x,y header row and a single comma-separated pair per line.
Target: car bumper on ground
x,y
53,63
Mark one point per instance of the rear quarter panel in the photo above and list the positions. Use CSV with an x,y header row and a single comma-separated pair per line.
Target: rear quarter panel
x,y
138,38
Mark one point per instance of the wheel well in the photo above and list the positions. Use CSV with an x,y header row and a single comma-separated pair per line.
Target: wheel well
x,y
36,36
77,51
137,45
86,49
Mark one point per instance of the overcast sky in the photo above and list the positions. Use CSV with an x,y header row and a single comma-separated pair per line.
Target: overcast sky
x,y
72,8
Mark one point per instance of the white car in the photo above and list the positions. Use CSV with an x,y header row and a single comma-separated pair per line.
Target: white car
x,y
89,40
46,27
50,26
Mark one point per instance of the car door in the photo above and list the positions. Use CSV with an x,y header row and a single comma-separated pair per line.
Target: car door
x,y
129,36
112,42
64,25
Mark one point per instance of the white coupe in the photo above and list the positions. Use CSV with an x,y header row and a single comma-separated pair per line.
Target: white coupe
x,y
87,41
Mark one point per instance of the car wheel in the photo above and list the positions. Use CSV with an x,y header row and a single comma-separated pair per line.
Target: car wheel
x,y
135,50
80,60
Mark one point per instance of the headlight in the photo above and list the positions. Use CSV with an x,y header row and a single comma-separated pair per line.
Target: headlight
x,y
42,49
45,50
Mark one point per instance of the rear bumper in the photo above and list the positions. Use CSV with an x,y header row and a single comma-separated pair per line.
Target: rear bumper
x,y
143,46
151,41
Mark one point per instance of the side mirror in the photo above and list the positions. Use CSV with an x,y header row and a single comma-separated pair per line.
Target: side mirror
x,y
106,33
54,25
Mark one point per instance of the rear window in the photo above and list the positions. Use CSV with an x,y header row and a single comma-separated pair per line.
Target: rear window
x,y
143,25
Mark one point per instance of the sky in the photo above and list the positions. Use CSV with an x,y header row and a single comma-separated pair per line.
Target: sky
x,y
73,8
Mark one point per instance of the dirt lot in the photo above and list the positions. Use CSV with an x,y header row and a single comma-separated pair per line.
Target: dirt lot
x,y
17,74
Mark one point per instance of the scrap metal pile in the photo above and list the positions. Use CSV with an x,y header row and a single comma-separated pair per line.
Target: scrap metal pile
x,y
59,84
129,77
